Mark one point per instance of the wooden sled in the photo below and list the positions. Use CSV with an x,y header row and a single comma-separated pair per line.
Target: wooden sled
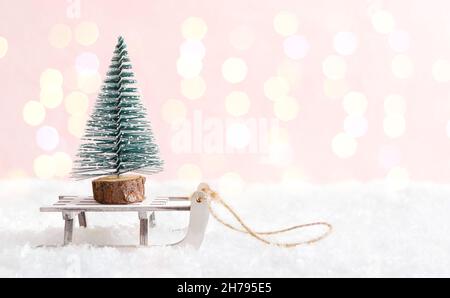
x,y
73,206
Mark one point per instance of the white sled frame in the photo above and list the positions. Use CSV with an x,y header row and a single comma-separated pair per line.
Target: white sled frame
x,y
74,206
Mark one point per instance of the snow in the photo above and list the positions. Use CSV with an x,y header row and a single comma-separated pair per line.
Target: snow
x,y
377,233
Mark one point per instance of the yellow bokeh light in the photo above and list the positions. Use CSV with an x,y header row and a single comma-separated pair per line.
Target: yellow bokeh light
x,y
242,38
231,184
397,178
193,88
89,82
189,68
76,103
63,164
76,125
383,22
286,108
285,23
33,113
355,103
394,104
44,167
290,71
402,66
344,145
174,111
237,103
394,125
3,46
190,173
234,70
279,135
51,78
51,97
441,70
60,36
194,28
86,33
334,67
335,88
276,87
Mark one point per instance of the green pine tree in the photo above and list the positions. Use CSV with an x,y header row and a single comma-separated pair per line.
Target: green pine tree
x,y
118,138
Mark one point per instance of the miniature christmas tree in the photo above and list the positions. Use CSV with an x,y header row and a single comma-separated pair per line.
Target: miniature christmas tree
x,y
118,138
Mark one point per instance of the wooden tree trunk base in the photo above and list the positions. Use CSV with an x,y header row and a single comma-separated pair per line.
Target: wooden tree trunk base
x,y
126,189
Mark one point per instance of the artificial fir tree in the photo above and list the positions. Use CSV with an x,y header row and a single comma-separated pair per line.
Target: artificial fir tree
x,y
118,138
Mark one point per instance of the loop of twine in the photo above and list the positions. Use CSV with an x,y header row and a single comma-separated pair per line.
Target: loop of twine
x,y
214,196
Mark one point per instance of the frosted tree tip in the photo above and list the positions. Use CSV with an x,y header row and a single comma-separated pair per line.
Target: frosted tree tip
x,y
120,38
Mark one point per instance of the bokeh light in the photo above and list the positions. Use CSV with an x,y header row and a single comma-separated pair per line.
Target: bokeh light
x,y
355,103
63,164
394,126
394,104
230,185
285,23
87,63
441,70
344,145
76,125
60,36
174,111
44,167
194,28
345,43
3,46
33,113
383,22
89,82
234,70
192,50
189,68
402,66
276,87
86,33
190,173
335,88
242,38
47,138
296,47
51,78
286,108
399,41
334,67
355,126
397,178
51,96
76,103
193,88
238,135
237,103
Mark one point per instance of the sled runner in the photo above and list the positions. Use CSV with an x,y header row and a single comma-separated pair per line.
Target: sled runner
x,y
73,206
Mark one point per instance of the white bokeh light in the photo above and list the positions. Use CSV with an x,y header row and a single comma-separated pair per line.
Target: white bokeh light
x,y
193,88
334,67
47,138
238,135
286,108
194,28
394,126
394,104
63,164
296,47
345,43
399,41
189,68
276,87
190,173
76,103
3,46
355,103
234,70
44,167
355,126
402,66
441,70
344,145
33,113
87,62
193,50
86,33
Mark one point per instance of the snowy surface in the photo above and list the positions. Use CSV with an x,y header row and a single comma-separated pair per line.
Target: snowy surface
x,y
378,232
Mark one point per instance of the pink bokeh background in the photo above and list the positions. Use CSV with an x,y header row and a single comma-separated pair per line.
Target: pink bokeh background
x,y
153,32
